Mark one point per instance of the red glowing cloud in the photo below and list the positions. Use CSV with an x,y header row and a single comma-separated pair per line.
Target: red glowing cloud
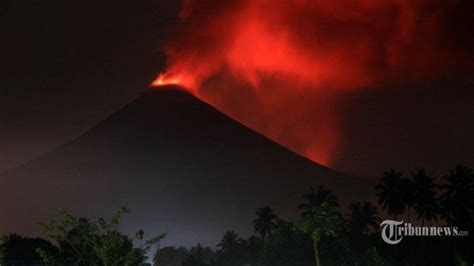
x,y
278,65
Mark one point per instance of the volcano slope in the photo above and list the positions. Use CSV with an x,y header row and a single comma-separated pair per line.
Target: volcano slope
x,y
180,165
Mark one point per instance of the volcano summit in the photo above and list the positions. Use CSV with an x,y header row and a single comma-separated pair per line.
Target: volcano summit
x,y
180,165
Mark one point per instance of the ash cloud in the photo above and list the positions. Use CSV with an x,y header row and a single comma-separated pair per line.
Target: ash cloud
x,y
279,66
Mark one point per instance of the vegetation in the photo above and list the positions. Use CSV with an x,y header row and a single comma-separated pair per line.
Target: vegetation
x,y
314,199
19,250
79,241
265,221
322,235
321,221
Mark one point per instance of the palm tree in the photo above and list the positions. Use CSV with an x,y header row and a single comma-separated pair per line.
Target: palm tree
x,y
229,242
425,203
314,199
362,217
265,221
321,221
458,197
391,193
408,188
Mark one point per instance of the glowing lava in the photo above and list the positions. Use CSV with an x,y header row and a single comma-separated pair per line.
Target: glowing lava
x,y
277,66
180,79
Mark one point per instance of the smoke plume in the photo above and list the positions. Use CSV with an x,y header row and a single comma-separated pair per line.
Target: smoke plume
x,y
279,66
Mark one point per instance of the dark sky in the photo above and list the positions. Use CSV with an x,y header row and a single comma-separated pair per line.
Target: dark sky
x,y
66,66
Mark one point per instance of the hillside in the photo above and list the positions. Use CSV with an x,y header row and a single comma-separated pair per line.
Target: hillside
x,y
180,165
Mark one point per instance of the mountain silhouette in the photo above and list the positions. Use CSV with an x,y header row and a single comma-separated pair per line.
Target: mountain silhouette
x,y
181,166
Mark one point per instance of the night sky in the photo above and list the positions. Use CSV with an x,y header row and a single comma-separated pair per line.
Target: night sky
x,y
68,65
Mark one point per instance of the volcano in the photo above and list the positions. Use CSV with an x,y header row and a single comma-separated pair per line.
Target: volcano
x,y
181,166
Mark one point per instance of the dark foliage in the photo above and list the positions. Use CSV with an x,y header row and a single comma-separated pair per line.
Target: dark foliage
x,y
314,199
391,193
458,197
265,221
321,234
19,250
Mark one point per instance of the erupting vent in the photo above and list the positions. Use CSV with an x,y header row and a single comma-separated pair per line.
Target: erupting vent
x,y
280,66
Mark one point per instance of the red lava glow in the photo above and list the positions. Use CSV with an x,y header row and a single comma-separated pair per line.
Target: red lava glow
x,y
180,79
277,66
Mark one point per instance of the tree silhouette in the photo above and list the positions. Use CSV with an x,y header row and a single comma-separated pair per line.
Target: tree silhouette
x,y
85,242
391,194
265,221
321,221
458,197
229,251
286,246
199,256
425,203
408,190
170,256
314,199
20,250
361,218
230,241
